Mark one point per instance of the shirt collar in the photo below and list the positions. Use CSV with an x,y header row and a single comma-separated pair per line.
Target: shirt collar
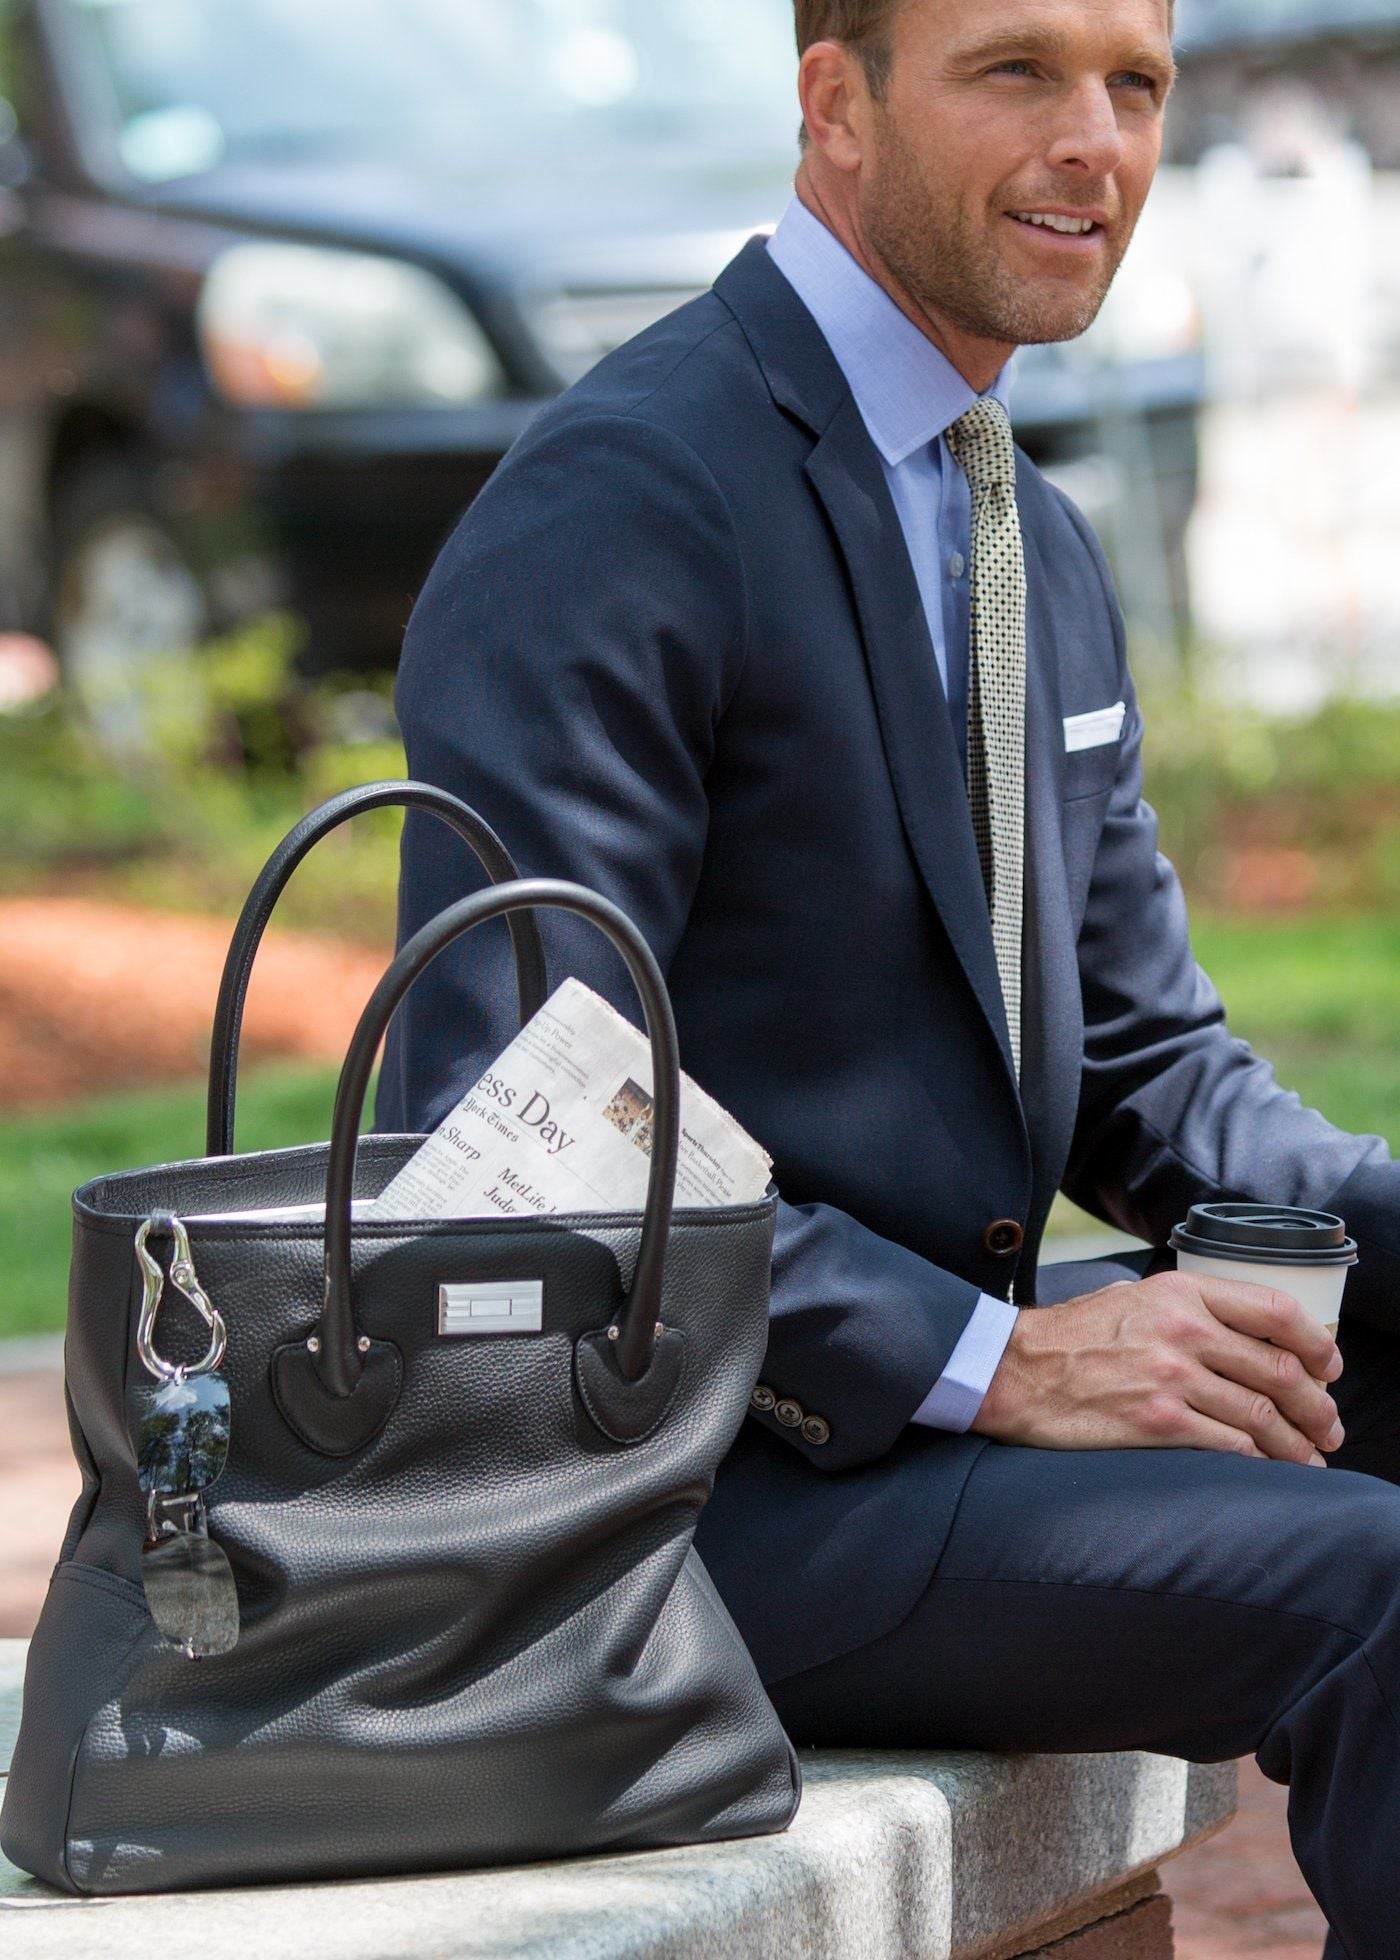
x,y
908,393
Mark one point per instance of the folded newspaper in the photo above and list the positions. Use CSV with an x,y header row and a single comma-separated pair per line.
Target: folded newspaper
x,y
562,1122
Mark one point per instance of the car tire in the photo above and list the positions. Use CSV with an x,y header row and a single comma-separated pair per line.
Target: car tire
x,y
125,601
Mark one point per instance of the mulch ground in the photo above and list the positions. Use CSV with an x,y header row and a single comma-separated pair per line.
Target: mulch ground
x,y
97,997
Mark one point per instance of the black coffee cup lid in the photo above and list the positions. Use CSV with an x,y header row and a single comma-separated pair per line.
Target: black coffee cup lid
x,y
1279,1235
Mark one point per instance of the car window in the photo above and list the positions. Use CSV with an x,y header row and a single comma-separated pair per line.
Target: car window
x,y
491,84
1201,23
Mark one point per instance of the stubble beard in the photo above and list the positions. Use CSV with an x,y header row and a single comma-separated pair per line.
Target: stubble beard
x,y
930,244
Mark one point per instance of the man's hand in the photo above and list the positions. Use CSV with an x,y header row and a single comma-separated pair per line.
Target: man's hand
x,y
1175,1362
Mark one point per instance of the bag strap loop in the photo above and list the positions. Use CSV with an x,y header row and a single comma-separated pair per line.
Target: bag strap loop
x,y
532,978
339,1387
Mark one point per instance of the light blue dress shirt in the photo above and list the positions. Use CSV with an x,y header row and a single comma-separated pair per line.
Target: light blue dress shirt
x,y
909,395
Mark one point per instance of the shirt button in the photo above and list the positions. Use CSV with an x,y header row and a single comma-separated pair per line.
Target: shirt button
x,y
791,1414
957,565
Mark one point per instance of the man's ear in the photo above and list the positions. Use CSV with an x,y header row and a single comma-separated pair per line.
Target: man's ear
x,y
835,96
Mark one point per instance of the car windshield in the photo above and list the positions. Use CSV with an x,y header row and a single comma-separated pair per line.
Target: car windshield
x,y
484,84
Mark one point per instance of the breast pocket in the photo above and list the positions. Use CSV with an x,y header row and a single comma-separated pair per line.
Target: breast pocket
x,y
1093,747
1092,772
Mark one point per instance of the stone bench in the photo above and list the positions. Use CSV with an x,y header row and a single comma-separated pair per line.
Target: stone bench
x,y
929,1857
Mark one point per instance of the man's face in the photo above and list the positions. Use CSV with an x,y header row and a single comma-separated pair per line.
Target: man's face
x,y
999,112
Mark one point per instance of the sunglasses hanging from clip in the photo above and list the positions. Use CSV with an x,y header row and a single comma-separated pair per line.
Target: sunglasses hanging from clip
x,y
182,1444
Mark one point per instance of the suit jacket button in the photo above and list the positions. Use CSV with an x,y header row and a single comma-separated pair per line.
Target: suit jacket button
x,y
791,1414
763,1399
816,1431
1004,1239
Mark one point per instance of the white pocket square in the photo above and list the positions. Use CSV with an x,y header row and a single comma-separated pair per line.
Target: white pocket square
x,y
1096,730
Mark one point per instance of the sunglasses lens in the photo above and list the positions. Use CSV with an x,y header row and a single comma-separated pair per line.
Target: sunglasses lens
x,y
191,1593
182,1441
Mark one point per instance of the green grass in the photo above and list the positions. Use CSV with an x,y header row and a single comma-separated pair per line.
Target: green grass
x,y
43,1158
1320,998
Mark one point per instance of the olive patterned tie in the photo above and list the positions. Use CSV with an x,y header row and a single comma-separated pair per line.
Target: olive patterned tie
x,y
983,444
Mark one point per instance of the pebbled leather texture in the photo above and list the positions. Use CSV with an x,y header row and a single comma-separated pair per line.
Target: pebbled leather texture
x,y
484,1637
628,1412
325,1423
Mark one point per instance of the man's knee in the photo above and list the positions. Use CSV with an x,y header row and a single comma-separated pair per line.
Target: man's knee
x,y
1355,1541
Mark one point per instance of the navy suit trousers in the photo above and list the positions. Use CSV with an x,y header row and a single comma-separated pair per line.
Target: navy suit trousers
x,y
1258,1600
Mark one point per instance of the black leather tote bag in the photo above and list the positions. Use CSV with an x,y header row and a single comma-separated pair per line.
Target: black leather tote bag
x,y
442,1585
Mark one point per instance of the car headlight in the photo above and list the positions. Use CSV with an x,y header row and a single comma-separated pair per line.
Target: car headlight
x,y
307,327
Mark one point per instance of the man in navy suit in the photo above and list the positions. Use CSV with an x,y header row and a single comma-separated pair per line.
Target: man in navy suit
x,y
767,632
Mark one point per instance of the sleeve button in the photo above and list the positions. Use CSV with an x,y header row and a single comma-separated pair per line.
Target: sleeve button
x,y
816,1431
791,1414
763,1400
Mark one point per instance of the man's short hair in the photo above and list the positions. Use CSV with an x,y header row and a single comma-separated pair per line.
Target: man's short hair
x,y
863,25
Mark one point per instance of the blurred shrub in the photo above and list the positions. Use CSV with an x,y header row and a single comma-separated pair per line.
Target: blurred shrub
x,y
1262,814
233,748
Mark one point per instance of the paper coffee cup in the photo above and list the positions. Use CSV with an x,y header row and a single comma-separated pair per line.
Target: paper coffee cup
x,y
1304,1253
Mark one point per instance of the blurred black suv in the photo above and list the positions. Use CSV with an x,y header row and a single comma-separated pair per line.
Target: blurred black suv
x,y
281,280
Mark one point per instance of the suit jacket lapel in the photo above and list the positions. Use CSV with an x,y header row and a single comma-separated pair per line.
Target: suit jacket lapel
x,y
844,469
1054,1034
920,749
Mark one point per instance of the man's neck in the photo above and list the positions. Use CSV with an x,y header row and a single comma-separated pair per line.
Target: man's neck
x,y
978,361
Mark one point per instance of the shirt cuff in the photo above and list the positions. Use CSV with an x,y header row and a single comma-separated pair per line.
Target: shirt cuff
x,y
962,1387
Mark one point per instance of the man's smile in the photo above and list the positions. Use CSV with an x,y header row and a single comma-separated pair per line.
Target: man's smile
x,y
1062,231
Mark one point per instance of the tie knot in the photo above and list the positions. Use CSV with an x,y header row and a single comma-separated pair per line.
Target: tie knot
x,y
984,445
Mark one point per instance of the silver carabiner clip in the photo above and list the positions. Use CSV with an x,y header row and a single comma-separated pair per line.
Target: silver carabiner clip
x,y
184,1279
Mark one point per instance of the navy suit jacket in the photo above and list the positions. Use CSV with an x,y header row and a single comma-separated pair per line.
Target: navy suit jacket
x,y
676,651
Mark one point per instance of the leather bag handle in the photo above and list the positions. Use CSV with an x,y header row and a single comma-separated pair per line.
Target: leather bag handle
x,y
338,1389
532,977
